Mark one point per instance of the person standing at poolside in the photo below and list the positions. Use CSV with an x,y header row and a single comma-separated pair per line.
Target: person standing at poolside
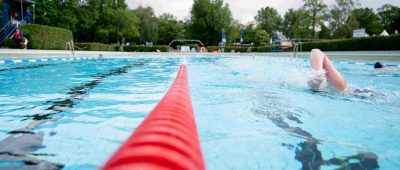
x,y
17,37
323,70
28,16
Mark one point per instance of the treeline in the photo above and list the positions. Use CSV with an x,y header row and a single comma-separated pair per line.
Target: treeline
x,y
112,22
108,21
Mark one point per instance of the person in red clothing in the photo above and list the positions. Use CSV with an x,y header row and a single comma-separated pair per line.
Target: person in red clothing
x,y
17,37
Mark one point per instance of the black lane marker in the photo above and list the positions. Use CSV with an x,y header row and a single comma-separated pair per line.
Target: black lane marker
x,y
307,152
78,93
35,66
20,143
26,67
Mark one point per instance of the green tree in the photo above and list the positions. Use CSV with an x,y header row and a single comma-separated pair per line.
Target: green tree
x,y
261,37
389,16
296,24
233,32
316,9
325,32
207,20
148,24
268,19
169,28
124,24
249,34
368,19
90,20
57,13
87,16
339,18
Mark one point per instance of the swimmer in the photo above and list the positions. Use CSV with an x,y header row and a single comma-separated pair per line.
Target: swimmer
x,y
323,70
380,66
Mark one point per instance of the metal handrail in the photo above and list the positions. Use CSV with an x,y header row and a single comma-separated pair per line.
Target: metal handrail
x,y
71,47
6,31
185,40
296,48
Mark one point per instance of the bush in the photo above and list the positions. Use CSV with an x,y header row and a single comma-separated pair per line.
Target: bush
x,y
237,49
212,48
10,43
140,48
46,37
356,44
263,49
94,47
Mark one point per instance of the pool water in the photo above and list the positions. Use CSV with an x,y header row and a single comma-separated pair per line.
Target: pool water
x,y
251,112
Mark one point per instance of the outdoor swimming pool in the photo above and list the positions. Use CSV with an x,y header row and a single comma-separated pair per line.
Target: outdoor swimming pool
x,y
251,112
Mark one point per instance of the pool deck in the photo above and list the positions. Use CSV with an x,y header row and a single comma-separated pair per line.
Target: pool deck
x,y
344,55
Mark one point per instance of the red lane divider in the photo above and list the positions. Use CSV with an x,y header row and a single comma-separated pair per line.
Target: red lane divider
x,y
167,138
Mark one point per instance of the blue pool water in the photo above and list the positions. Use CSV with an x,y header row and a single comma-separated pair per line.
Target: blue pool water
x,y
251,112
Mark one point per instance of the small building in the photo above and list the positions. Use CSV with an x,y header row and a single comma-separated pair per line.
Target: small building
x,y
14,9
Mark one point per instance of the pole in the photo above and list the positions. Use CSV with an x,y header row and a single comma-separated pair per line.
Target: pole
x,y
33,5
22,11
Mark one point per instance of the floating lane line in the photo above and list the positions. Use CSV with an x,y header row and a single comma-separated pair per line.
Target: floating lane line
x,y
7,61
167,138
360,63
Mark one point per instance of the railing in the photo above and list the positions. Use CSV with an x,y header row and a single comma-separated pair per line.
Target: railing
x,y
296,48
71,48
7,31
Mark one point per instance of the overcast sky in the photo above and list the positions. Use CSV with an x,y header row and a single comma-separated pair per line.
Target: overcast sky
x,y
242,10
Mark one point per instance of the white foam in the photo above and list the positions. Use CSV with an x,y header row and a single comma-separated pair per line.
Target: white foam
x,y
17,61
32,61
2,62
43,59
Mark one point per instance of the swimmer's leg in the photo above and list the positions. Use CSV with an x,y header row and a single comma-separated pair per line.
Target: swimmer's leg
x,y
317,63
317,60
320,61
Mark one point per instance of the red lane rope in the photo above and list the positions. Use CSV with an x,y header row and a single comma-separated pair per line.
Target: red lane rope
x,y
167,138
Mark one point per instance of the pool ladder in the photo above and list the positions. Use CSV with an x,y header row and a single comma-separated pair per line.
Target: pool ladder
x,y
296,48
71,48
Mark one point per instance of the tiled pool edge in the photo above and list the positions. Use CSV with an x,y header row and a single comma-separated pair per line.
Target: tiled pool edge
x,y
357,55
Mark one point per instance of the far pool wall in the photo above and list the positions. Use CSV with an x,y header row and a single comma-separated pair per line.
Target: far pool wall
x,y
353,55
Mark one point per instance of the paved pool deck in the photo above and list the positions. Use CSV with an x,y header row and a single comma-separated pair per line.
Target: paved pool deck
x,y
344,55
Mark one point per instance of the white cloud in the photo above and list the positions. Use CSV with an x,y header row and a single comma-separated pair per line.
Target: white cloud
x,y
242,10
